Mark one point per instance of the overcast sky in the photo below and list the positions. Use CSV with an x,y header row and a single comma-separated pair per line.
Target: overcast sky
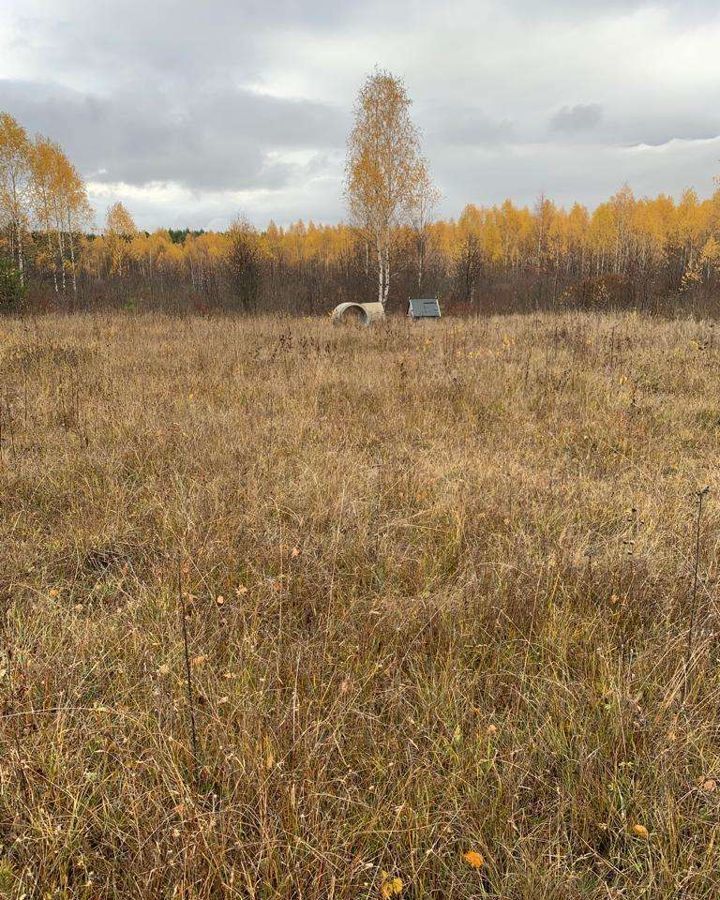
x,y
191,112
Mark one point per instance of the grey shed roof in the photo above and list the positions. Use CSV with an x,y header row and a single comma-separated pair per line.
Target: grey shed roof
x,y
424,309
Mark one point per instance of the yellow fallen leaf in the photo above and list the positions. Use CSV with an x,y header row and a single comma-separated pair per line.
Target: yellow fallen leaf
x,y
295,552
709,785
198,660
641,831
474,859
220,600
390,887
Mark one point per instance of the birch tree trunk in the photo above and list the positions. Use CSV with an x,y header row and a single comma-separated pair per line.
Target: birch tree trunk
x,y
72,263
421,262
71,242
20,257
61,255
386,288
381,274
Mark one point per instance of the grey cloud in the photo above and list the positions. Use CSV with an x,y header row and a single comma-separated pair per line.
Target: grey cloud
x,y
589,123
463,126
664,126
562,173
172,41
687,11
211,139
581,117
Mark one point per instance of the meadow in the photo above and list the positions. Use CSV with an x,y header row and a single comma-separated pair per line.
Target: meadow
x,y
447,597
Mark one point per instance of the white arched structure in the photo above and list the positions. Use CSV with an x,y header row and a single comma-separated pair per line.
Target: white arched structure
x,y
358,313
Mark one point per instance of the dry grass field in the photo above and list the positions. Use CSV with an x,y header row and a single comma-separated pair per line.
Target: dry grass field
x,y
440,599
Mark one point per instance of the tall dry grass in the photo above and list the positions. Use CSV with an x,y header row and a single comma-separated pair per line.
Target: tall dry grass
x,y
438,585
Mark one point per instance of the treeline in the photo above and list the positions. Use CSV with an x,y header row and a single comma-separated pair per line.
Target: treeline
x,y
627,252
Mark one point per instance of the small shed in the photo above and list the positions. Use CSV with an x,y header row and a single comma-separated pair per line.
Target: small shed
x,y
358,313
424,309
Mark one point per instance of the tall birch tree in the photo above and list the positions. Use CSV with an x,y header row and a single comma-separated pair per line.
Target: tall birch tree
x,y
383,166
61,210
119,230
15,184
425,198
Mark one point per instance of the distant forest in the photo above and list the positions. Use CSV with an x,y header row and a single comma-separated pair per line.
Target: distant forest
x,y
656,254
